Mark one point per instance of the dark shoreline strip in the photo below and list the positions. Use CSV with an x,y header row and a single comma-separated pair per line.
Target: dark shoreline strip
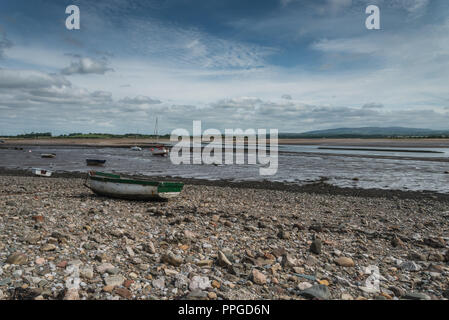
x,y
317,187
381,150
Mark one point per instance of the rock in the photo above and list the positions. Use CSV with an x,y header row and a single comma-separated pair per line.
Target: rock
x,y
62,264
398,292
435,242
284,235
39,261
198,282
104,267
417,256
410,266
71,294
258,277
38,219
396,242
223,260
197,295
435,257
317,291
212,295
115,280
158,283
48,247
172,259
288,261
108,288
17,258
344,262
32,238
416,296
215,284
304,285
346,296
316,245
87,272
316,228
124,293
149,247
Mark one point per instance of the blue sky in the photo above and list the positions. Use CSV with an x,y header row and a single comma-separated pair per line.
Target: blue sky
x,y
287,64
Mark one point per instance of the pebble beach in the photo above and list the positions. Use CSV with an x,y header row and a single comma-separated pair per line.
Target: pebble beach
x,y
58,240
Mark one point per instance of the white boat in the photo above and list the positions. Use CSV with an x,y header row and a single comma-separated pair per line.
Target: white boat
x,y
112,185
42,172
136,148
159,151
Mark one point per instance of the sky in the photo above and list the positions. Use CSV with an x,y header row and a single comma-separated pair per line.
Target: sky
x,y
291,65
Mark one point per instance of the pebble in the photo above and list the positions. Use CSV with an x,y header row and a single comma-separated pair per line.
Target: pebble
x,y
198,282
115,280
416,296
258,277
317,291
344,262
17,258
316,245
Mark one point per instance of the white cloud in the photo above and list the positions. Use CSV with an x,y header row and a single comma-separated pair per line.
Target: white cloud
x,y
86,66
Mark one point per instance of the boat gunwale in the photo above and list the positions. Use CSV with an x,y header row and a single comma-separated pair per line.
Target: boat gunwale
x,y
107,177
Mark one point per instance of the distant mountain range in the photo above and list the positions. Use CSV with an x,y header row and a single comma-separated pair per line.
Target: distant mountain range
x,y
368,132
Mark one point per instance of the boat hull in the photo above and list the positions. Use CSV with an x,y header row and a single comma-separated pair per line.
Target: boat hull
x,y
116,187
42,172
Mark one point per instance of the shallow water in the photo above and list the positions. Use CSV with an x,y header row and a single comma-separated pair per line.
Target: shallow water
x,y
299,164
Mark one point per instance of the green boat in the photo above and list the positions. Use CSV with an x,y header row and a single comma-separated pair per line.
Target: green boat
x,y
112,185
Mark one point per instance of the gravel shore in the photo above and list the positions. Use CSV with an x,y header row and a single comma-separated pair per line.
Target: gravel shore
x,y
60,241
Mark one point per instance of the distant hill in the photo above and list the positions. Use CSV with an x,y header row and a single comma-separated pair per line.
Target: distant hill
x,y
368,132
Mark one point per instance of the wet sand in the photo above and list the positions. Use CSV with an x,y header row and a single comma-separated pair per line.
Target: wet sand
x,y
400,143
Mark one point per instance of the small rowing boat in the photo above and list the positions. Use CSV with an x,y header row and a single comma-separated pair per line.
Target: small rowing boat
x,y
159,151
95,162
112,185
41,172
48,155
136,148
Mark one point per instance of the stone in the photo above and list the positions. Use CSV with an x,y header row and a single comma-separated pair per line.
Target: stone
x,y
38,219
149,247
198,282
258,277
170,258
48,247
288,261
124,293
71,294
317,291
435,242
104,267
285,235
115,280
316,245
17,258
304,285
212,295
215,284
197,295
346,296
87,272
39,261
398,292
159,283
416,296
223,260
344,262
396,242
409,266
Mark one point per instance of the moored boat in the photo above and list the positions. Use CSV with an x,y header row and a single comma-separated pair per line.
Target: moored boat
x,y
136,148
112,185
48,155
42,172
159,151
95,162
